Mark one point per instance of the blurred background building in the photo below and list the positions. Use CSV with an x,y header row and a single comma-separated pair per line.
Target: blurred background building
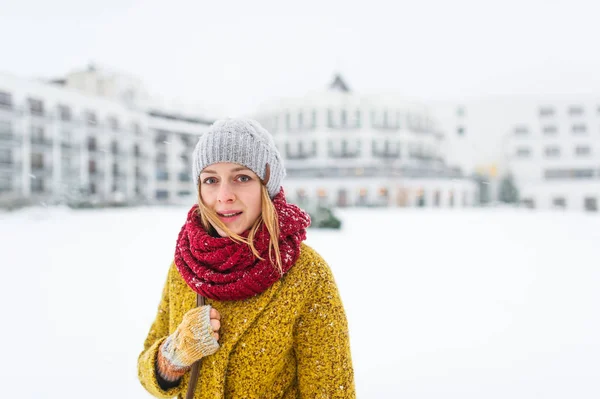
x,y
95,136
550,146
92,137
343,148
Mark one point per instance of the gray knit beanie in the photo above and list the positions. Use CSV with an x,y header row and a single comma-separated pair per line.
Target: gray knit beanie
x,y
241,141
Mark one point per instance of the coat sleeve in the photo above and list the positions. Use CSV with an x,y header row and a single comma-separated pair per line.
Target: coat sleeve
x,y
322,343
147,359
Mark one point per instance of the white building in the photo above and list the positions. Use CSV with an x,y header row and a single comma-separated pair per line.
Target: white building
x,y
551,145
93,136
346,149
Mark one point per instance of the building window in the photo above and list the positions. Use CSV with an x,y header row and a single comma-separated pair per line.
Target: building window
x,y
37,134
5,155
92,145
521,131
314,118
357,119
330,118
559,202
301,196
547,111
420,198
184,177
162,194
67,136
90,118
6,100
436,198
552,152
523,152
590,204
385,122
114,148
5,184
583,151
362,197
343,118
460,131
288,121
342,197
549,130
37,185
161,157
113,123
5,128
575,110
528,203
162,175
300,119
136,128
322,196
64,113
557,174
388,149
579,129
161,137
582,173
37,161
460,111
36,107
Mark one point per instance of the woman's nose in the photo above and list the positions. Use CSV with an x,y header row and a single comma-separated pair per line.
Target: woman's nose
x,y
226,194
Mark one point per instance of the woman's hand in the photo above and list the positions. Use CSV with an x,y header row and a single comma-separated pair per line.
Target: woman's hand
x,y
195,337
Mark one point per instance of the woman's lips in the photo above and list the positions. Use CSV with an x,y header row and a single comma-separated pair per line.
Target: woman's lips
x,y
229,216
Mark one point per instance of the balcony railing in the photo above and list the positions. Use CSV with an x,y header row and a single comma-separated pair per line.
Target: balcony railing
x,y
7,136
96,174
69,146
41,141
41,170
10,166
119,175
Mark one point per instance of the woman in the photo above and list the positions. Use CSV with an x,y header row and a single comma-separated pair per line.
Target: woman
x,y
273,325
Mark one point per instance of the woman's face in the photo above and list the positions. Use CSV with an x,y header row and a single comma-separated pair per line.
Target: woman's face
x,y
234,193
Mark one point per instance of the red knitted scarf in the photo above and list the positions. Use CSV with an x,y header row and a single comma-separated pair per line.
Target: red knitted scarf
x,y
221,269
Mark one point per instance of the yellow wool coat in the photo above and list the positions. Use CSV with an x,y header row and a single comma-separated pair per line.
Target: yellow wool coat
x,y
291,341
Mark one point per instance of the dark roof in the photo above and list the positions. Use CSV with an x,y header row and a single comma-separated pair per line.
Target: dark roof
x,y
339,84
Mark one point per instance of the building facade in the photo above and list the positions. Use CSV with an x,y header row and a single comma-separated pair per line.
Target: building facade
x,y
91,137
550,144
346,149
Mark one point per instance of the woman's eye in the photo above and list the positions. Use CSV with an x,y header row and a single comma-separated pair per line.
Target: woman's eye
x,y
209,180
244,178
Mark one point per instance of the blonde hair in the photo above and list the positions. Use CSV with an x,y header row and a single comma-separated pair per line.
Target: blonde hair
x,y
268,216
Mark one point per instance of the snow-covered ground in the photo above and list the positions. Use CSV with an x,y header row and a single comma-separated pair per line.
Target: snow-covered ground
x,y
463,304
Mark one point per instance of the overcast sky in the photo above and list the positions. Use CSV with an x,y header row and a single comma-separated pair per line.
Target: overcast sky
x,y
231,55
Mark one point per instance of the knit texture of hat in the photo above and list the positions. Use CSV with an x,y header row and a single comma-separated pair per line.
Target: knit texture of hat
x,y
241,141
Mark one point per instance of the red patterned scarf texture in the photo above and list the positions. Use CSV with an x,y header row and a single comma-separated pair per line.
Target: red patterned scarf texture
x,y
221,269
